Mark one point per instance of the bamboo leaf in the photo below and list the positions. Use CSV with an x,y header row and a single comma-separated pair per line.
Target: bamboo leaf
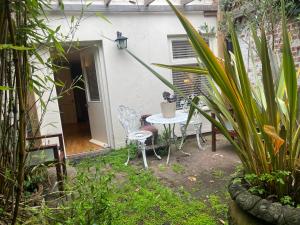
x,y
5,88
100,15
18,48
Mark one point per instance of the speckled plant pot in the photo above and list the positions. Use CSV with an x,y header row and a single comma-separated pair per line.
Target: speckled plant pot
x,y
265,212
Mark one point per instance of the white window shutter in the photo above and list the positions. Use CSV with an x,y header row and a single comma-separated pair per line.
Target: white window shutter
x,y
188,83
182,49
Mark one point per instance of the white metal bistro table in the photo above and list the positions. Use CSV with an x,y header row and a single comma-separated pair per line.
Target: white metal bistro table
x,y
169,126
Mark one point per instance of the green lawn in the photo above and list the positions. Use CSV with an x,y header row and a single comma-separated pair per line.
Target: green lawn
x,y
105,191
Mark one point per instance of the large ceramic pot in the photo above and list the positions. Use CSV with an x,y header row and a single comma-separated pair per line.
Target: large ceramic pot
x,y
249,209
168,109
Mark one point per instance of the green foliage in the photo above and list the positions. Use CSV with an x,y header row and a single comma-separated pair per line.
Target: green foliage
x,y
262,184
34,176
105,191
264,13
286,200
292,7
218,206
263,117
162,167
90,203
177,168
25,46
217,173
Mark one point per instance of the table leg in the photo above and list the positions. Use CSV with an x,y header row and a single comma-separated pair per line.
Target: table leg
x,y
186,153
183,134
157,156
180,147
169,153
198,128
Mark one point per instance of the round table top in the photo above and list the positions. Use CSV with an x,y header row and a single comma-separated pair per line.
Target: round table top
x,y
159,119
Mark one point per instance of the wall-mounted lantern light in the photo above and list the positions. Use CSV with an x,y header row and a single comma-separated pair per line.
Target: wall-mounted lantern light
x,y
121,41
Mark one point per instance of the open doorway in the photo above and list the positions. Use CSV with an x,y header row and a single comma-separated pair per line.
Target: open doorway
x,y
81,109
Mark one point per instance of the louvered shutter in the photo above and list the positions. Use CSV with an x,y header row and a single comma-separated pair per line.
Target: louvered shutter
x,y
182,49
188,83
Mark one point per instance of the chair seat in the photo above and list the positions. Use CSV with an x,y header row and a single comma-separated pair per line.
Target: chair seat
x,y
150,128
139,135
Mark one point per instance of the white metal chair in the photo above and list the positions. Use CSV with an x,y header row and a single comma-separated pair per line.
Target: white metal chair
x,y
195,122
130,121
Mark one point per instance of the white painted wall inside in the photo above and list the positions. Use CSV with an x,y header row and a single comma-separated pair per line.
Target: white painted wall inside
x,y
129,83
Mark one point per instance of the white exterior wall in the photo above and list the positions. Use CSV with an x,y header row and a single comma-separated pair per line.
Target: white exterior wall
x,y
51,123
138,2
129,83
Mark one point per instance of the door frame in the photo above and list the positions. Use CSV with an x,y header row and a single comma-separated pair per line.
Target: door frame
x,y
102,85
101,68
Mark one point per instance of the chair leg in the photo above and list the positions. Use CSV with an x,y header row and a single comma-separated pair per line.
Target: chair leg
x,y
128,149
157,156
126,163
143,150
169,152
203,138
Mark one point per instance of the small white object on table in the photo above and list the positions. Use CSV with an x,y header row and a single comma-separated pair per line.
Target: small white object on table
x,y
169,125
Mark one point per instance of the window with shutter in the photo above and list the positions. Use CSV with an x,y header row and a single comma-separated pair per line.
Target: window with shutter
x,y
188,83
182,49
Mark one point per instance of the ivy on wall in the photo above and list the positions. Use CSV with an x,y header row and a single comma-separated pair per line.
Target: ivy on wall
x,y
292,6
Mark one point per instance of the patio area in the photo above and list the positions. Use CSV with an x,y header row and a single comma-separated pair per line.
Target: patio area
x,y
202,173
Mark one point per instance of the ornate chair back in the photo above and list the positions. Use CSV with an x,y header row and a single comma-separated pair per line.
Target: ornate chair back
x,y
129,119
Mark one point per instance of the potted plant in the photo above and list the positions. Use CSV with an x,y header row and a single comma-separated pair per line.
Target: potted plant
x,y
264,118
168,106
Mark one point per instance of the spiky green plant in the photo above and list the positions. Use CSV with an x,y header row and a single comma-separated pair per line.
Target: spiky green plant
x,y
268,133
